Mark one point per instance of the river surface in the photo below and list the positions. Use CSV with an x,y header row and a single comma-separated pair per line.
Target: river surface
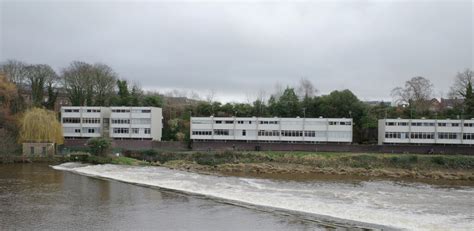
x,y
112,197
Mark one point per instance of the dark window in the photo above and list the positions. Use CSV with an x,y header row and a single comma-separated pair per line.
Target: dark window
x,y
244,132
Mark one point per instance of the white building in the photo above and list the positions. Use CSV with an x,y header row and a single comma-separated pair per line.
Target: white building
x,y
426,131
142,123
310,130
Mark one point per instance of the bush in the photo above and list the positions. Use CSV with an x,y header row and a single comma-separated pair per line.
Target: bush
x,y
439,160
99,146
404,161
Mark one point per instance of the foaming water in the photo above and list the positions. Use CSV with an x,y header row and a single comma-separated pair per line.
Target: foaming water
x,y
405,206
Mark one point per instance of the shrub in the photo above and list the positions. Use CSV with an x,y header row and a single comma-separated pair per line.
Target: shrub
x,y
439,160
99,146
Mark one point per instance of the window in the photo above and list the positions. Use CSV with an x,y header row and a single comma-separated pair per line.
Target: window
x,y
455,125
310,133
218,121
93,110
390,123
291,133
135,130
146,111
43,151
402,124
229,122
90,130
447,135
142,121
120,121
202,133
468,136
468,124
269,133
393,135
71,120
121,110
121,130
332,123
441,124
91,120
422,135
32,150
221,132
240,122
77,130
244,133
147,131
416,124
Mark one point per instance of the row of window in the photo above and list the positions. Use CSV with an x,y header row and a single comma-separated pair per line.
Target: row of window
x,y
120,121
67,120
132,130
427,124
347,123
133,111
133,121
84,130
91,120
428,135
84,110
202,133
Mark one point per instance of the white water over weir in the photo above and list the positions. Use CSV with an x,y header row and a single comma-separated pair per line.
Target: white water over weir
x,y
401,206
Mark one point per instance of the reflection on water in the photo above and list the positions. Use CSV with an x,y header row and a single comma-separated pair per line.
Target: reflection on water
x,y
36,197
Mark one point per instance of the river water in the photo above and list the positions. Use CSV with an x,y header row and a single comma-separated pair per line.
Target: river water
x,y
75,196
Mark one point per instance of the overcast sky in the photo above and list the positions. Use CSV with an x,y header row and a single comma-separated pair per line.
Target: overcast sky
x,y
237,48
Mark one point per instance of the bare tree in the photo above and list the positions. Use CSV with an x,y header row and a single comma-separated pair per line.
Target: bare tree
x,y
104,88
15,71
306,89
278,90
88,84
417,91
37,77
461,82
210,96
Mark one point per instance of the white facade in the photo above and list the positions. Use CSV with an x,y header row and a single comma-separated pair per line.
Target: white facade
x,y
114,122
310,130
426,131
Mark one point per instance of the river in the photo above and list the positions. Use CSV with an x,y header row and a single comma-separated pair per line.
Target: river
x,y
111,197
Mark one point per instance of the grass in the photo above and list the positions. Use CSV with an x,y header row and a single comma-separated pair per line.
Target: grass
x,y
114,160
318,159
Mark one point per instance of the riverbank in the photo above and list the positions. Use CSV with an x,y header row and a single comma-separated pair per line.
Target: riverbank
x,y
308,164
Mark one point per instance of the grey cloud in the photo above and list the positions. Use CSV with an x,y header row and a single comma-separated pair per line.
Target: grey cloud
x,y
237,48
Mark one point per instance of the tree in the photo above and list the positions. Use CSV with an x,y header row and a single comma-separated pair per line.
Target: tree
x,y
15,71
99,146
469,101
306,89
8,128
416,93
461,82
40,125
37,77
152,100
104,84
288,104
89,85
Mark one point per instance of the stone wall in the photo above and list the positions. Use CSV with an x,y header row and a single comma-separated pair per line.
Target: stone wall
x,y
252,146
38,149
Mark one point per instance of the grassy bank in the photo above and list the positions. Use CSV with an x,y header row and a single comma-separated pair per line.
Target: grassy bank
x,y
385,165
